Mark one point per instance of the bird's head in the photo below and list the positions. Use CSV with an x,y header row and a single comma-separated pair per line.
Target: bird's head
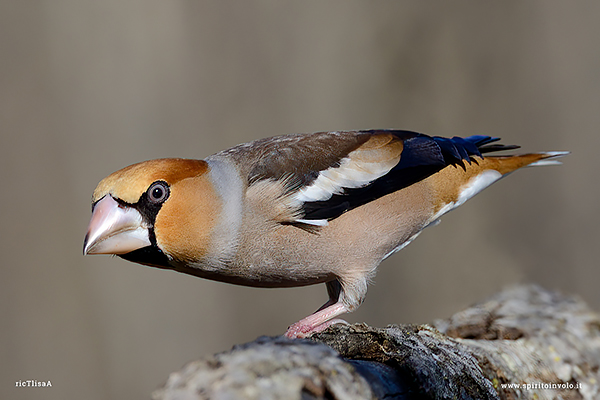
x,y
154,212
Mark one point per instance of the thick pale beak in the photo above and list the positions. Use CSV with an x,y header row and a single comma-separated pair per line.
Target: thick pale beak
x,y
115,229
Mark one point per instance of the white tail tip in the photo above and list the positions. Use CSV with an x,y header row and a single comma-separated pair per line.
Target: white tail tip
x,y
550,159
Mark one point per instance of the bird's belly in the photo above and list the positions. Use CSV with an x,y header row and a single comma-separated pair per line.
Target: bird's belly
x,y
351,245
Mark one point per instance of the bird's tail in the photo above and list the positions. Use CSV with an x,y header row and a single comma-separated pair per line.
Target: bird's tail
x,y
455,184
510,163
549,158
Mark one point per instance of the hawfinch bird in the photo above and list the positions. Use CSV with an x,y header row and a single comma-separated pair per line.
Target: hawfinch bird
x,y
294,210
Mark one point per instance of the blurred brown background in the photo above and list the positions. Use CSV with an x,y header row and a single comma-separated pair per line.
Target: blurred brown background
x,y
87,88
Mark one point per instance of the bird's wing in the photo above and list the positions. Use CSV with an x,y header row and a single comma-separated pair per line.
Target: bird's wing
x,y
326,174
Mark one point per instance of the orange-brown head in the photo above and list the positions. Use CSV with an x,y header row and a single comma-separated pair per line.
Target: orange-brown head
x,y
154,212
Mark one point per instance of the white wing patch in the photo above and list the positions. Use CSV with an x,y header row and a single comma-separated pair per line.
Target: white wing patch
x,y
314,222
350,174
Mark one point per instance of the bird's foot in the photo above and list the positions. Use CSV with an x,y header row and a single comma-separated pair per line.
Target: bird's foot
x,y
301,330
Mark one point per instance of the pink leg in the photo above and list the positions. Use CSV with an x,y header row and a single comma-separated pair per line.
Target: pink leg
x,y
318,321
342,299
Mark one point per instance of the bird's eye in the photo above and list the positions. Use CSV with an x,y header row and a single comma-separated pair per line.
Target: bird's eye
x,y
158,192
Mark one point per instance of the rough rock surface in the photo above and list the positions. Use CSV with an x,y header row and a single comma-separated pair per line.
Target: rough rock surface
x,y
523,336
268,368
